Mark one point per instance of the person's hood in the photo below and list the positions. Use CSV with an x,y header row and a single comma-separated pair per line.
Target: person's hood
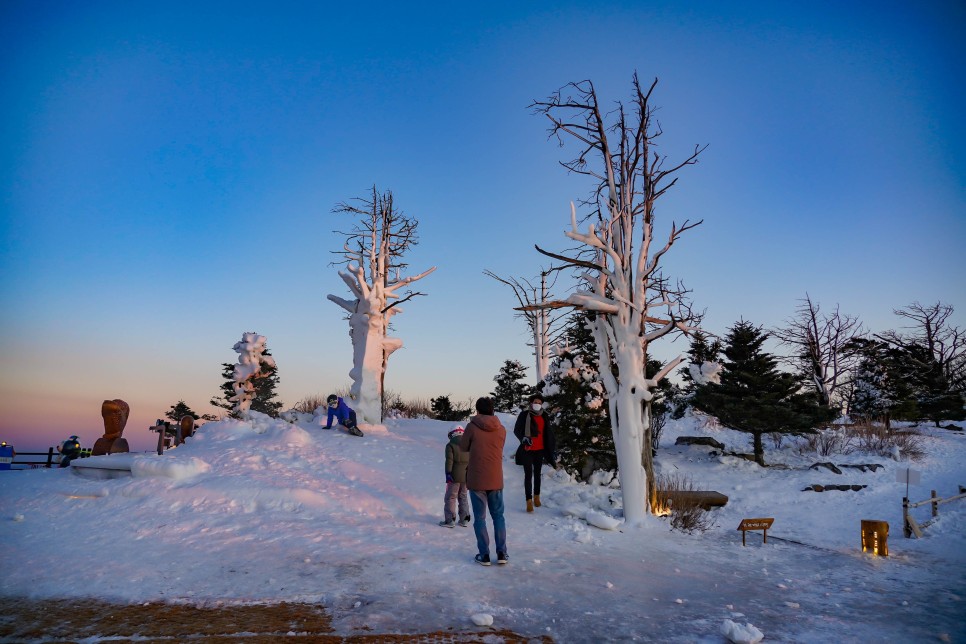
x,y
486,423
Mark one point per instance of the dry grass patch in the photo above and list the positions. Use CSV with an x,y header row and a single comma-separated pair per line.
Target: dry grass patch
x,y
71,620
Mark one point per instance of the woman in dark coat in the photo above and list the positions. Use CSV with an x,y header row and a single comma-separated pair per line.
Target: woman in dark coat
x,y
537,446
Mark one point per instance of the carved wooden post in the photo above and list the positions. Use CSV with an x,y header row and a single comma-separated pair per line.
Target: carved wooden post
x,y
906,529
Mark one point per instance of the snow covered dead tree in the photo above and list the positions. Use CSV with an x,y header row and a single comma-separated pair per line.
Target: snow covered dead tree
x,y
373,258
544,326
619,261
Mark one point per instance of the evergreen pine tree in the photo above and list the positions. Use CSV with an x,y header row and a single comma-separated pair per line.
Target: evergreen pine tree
x,y
936,399
266,384
574,397
666,400
754,396
510,393
179,411
443,409
883,386
702,350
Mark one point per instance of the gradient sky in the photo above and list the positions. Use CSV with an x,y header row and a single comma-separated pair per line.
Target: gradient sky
x,y
168,172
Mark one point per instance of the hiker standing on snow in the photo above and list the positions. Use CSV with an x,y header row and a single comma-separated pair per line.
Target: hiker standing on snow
x,y
484,439
456,462
537,446
345,415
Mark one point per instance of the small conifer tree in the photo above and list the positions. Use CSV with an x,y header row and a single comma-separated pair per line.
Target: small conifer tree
x,y
574,396
179,411
754,396
443,409
510,392
266,396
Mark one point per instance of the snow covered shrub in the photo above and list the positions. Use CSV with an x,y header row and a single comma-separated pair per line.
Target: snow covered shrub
x,y
686,514
828,442
876,439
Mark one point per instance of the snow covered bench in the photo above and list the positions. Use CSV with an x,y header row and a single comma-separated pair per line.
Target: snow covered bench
x,y
107,466
706,499
112,466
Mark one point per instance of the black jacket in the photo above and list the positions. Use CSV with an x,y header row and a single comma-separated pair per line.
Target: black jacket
x,y
549,440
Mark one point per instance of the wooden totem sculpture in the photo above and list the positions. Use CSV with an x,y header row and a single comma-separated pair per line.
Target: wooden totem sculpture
x,y
115,413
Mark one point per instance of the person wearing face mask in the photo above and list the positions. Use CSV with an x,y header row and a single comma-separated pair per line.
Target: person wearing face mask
x,y
537,446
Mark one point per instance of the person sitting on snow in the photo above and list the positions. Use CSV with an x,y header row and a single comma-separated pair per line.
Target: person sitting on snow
x,y
345,415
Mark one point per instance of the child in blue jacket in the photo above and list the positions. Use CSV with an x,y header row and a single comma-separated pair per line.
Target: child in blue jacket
x,y
345,415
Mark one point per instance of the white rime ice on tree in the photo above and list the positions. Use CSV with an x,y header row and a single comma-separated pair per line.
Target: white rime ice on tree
x,y
706,373
373,255
633,303
251,358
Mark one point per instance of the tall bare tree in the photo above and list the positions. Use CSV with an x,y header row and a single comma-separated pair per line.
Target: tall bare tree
x,y
545,327
819,341
373,258
619,258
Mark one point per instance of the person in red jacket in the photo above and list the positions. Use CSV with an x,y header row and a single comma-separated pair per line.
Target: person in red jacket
x,y
484,439
537,446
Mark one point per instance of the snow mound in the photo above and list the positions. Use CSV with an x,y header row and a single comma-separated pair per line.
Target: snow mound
x,y
602,521
741,633
482,619
171,468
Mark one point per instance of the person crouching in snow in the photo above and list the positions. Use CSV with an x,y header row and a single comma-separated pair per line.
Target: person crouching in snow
x,y
456,462
345,415
537,447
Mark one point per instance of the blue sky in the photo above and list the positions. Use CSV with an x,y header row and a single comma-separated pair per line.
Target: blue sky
x,y
169,170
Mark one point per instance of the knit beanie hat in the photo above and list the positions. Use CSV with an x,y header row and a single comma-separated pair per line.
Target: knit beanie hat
x,y
456,431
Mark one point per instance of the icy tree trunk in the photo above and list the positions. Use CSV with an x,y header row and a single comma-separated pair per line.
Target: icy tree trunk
x,y
623,284
369,316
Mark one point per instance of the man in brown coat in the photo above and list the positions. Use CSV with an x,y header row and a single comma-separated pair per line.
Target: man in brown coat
x,y
484,438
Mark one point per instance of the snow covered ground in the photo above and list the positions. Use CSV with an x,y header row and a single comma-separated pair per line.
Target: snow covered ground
x,y
269,511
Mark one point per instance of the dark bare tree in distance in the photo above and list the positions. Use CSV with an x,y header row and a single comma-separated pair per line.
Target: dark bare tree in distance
x,y
819,341
545,326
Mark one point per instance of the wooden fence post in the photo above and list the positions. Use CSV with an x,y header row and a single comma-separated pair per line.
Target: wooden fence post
x,y
50,456
935,505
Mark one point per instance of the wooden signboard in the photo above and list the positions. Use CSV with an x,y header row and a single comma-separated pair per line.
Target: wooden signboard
x,y
755,524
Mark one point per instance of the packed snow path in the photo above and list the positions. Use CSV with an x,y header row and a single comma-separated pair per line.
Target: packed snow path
x,y
268,511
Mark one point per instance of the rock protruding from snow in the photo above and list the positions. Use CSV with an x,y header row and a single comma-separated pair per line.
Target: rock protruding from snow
x,y
741,633
482,619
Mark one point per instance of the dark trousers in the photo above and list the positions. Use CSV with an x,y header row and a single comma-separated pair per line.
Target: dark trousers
x,y
532,464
